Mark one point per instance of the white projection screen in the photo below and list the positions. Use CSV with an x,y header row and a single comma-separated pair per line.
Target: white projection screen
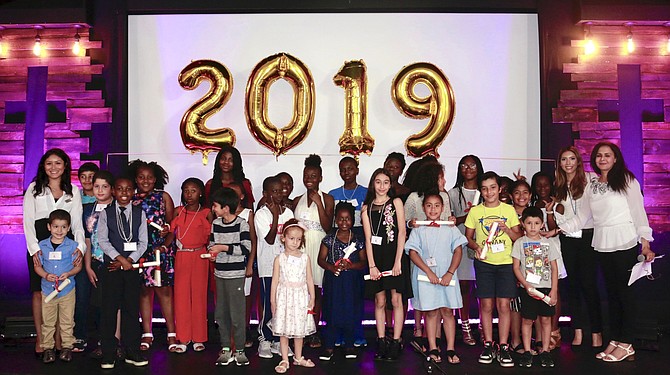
x,y
491,61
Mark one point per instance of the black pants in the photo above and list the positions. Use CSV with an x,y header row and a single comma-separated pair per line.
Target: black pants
x,y
120,290
620,297
581,264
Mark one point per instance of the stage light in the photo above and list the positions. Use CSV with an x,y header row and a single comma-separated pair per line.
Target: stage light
x,y
76,47
37,47
630,45
590,45
2,43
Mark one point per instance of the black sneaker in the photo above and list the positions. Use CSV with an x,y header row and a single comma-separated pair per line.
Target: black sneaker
x,y
79,346
546,360
107,363
382,348
326,355
488,354
526,359
395,347
504,356
350,353
136,359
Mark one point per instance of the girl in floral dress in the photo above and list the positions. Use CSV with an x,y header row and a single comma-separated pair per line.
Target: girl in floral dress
x,y
158,206
292,295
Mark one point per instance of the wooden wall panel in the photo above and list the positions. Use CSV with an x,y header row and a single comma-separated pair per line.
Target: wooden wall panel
x,y
68,76
596,79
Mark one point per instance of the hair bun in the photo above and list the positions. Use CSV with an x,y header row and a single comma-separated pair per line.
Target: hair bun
x,y
313,160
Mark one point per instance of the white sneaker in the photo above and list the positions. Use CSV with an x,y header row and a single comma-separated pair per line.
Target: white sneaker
x,y
276,349
264,349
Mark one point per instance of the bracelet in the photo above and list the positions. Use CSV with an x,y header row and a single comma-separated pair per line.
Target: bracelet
x,y
373,267
450,272
550,212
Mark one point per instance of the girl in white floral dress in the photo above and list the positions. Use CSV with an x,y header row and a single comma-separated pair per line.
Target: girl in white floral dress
x,y
292,296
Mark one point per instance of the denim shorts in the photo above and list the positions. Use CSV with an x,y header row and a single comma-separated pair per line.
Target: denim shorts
x,y
495,281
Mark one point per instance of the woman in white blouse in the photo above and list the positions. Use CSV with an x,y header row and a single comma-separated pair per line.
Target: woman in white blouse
x,y
614,202
50,190
579,257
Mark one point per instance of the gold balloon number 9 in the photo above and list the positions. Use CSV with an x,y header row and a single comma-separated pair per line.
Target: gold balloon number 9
x,y
194,133
264,74
439,106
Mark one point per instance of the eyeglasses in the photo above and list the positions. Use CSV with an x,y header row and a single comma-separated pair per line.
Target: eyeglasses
x,y
468,166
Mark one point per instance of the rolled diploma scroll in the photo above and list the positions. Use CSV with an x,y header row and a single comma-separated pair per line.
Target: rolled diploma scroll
x,y
155,225
60,287
425,279
384,273
475,200
349,250
439,222
156,263
539,295
492,235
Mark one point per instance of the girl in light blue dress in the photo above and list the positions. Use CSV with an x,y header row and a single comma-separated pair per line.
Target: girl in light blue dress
x,y
436,251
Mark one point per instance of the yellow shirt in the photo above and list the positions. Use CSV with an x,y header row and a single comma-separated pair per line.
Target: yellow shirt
x,y
480,219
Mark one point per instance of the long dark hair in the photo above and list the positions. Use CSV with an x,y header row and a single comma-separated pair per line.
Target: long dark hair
x,y
619,176
370,196
160,174
412,174
238,170
578,183
427,177
41,180
460,180
197,182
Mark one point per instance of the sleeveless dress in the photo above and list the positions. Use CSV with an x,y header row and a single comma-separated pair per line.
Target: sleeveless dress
x,y
291,319
309,216
343,294
153,206
384,223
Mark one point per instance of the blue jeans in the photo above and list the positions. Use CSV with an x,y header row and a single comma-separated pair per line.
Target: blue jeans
x,y
263,329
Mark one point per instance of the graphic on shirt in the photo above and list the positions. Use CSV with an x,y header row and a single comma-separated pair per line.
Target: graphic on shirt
x,y
537,259
487,223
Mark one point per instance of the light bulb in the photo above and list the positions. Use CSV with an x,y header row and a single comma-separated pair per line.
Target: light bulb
x,y
630,45
37,47
76,47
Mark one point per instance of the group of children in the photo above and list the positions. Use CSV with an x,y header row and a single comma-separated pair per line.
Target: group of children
x,y
306,271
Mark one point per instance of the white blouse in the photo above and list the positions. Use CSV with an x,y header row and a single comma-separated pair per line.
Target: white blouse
x,y
39,207
619,219
572,206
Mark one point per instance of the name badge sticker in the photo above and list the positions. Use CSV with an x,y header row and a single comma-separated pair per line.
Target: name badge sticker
x,y
497,247
376,240
130,246
533,278
56,255
431,262
354,202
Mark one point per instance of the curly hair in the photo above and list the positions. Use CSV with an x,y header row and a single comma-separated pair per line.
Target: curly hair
x,y
159,173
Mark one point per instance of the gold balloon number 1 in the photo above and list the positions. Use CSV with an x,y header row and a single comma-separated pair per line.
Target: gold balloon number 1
x,y
439,106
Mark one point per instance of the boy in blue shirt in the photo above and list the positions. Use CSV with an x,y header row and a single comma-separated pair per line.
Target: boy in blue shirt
x,y
56,266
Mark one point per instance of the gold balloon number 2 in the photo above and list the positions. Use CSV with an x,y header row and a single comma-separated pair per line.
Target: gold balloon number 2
x,y
439,106
194,133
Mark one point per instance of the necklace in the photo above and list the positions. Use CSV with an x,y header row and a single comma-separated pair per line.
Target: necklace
x,y
332,245
182,235
352,194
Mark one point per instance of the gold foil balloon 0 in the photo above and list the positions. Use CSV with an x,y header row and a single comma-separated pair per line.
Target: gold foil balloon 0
x,y
439,106
195,134
264,74
355,139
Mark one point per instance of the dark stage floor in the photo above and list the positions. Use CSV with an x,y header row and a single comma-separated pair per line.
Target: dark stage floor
x,y
18,358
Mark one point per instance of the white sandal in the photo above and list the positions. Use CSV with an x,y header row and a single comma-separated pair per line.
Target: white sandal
x,y
175,348
198,347
146,345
